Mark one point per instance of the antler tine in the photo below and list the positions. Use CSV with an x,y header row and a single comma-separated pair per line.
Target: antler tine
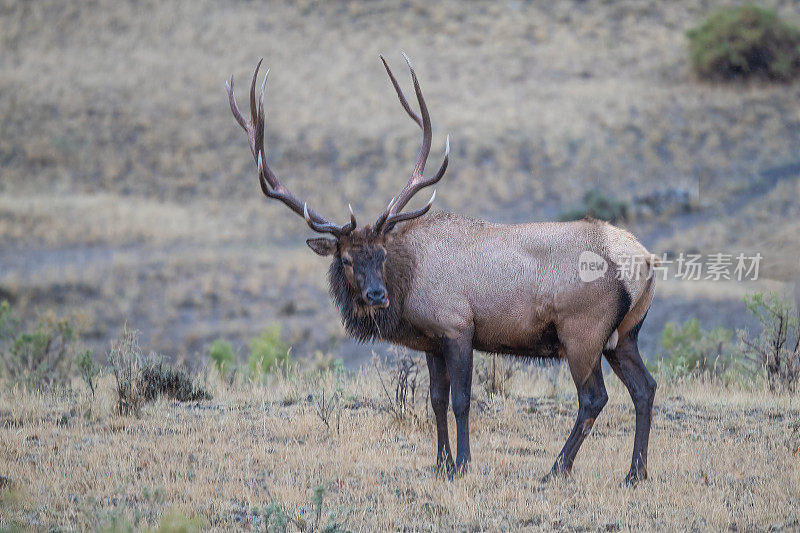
x,y
400,94
382,219
253,108
235,108
417,180
350,226
320,227
270,185
415,185
425,148
401,217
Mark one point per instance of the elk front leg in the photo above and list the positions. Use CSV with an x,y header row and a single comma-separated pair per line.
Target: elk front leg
x,y
440,401
458,356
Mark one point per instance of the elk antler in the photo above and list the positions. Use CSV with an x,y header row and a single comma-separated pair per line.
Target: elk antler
x,y
393,213
268,180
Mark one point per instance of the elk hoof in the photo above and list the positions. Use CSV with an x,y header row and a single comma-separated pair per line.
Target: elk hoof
x,y
444,467
558,471
634,477
457,471
554,474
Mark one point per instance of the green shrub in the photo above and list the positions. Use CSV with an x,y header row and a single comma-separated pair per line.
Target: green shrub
x,y
598,205
275,517
221,352
38,358
309,519
87,369
744,42
690,349
776,351
267,353
177,522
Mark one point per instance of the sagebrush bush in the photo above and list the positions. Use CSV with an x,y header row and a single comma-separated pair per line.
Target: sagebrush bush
x,y
745,42
776,351
267,353
126,360
161,379
141,378
597,204
690,349
38,358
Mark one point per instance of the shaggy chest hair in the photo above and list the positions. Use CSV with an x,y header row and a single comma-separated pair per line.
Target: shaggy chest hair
x,y
361,321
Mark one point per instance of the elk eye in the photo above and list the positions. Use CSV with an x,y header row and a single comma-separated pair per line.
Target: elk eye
x,y
346,261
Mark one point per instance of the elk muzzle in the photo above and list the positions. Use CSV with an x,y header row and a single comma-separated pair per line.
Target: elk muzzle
x,y
376,296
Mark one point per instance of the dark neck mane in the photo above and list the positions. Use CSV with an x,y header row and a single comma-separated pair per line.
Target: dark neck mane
x,y
363,323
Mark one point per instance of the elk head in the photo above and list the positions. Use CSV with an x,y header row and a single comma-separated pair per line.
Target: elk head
x,y
361,252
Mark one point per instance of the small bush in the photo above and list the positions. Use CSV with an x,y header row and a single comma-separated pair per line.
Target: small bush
x,y
161,379
328,404
177,522
745,42
140,379
598,205
267,353
494,373
401,401
776,351
275,518
309,519
221,352
336,523
39,358
126,360
692,350
87,369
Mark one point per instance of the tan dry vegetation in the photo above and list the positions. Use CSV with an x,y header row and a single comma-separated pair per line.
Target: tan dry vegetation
x,y
721,458
128,193
546,99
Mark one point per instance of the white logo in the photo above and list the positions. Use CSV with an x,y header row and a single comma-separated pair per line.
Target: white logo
x,y
591,266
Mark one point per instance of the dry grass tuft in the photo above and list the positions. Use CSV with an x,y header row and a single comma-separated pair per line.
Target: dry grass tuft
x,y
722,457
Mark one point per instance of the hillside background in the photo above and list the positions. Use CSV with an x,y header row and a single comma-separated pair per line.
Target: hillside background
x,y
128,194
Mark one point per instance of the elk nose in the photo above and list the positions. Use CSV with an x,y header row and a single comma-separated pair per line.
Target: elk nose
x,y
376,296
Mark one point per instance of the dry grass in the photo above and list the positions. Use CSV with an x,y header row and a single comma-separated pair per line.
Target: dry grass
x,y
552,98
128,193
721,458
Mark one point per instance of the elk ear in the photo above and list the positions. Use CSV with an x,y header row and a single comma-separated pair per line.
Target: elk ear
x,y
322,246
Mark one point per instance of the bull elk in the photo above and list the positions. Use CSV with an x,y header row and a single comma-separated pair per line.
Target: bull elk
x,y
446,284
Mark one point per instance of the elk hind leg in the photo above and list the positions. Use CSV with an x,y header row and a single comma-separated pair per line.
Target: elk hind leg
x,y
629,367
592,398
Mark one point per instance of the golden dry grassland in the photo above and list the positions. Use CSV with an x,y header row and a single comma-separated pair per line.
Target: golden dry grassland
x,y
127,194
721,458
